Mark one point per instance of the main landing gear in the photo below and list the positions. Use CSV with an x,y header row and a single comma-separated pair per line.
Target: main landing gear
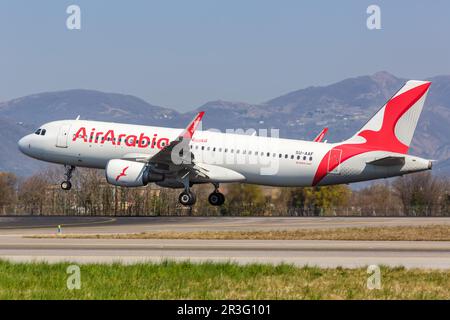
x,y
188,198
66,184
216,198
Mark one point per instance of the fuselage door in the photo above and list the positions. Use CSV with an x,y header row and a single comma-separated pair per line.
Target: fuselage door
x,y
63,136
334,161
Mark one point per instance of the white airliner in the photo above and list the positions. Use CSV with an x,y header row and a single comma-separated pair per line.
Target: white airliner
x,y
134,156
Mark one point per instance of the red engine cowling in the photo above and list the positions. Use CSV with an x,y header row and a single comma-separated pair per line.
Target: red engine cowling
x,y
127,173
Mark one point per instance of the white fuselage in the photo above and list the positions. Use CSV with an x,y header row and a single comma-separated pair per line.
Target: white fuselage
x,y
261,160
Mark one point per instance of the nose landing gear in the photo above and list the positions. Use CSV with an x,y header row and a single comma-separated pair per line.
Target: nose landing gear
x,y
66,184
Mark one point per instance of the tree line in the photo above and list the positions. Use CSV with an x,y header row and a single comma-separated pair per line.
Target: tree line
x,y
420,194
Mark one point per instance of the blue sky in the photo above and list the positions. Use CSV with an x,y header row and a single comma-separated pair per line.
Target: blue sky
x,y
181,54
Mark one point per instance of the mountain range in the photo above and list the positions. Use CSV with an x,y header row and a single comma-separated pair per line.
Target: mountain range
x,y
343,107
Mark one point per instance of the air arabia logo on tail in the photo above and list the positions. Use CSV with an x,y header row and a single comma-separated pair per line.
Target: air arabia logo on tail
x,y
381,140
122,174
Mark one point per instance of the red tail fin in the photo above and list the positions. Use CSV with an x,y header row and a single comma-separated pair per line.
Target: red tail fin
x,y
392,127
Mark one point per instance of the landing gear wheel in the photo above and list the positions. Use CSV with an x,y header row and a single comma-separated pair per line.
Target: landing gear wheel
x,y
66,185
216,199
187,198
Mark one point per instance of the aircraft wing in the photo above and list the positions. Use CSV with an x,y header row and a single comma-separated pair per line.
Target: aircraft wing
x,y
176,159
165,156
321,135
182,154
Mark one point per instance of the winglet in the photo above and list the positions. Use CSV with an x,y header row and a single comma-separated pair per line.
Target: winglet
x,y
189,131
321,135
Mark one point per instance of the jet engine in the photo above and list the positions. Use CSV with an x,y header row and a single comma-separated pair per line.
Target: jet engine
x,y
127,173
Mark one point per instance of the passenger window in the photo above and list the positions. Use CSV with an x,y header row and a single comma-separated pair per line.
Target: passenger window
x,y
298,157
304,158
310,158
203,147
285,156
250,152
292,156
280,155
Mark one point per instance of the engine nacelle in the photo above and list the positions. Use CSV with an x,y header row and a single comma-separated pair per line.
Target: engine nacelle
x,y
127,173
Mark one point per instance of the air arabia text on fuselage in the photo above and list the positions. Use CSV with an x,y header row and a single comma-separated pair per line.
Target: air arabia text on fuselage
x,y
130,140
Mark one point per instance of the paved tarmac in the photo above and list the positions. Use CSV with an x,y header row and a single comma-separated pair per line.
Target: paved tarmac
x,y
420,254
33,225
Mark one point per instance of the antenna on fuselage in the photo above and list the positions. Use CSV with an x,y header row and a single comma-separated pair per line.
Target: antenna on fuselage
x,y
78,117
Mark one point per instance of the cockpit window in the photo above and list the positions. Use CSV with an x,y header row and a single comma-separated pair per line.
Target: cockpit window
x,y
43,132
38,131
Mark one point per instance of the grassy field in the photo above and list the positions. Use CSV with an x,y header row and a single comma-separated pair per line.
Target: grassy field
x,y
170,280
419,233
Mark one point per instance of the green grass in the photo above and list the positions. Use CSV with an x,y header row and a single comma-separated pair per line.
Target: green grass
x,y
170,280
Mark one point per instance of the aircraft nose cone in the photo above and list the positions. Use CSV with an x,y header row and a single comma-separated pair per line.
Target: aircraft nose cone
x,y
24,144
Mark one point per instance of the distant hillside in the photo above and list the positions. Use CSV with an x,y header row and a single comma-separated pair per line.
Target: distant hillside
x,y
344,107
94,105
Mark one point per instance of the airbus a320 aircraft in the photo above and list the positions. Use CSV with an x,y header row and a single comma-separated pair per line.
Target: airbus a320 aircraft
x,y
134,156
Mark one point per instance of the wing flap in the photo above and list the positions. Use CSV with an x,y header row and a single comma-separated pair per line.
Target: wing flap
x,y
218,174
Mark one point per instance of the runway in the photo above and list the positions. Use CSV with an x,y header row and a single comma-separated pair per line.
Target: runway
x,y
37,225
351,254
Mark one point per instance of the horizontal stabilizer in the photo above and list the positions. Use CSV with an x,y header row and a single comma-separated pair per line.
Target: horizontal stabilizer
x,y
388,161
